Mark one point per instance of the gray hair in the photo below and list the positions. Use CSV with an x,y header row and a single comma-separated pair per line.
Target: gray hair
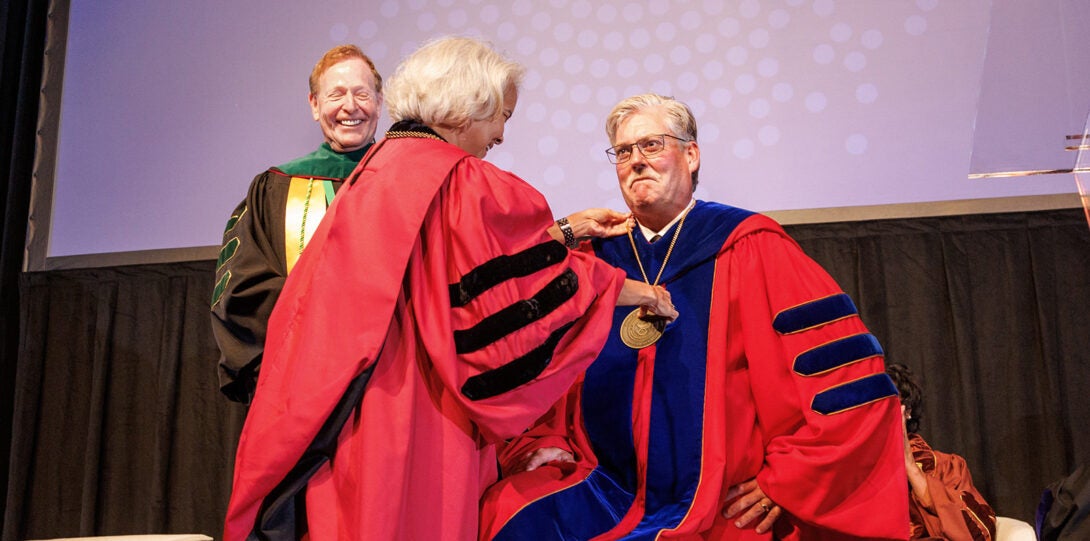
x,y
679,119
450,82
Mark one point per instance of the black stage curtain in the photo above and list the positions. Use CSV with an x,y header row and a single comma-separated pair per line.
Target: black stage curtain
x,y
22,42
119,427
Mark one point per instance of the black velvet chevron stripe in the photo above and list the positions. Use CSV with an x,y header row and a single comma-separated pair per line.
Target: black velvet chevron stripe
x,y
814,313
836,354
517,315
505,267
853,394
517,372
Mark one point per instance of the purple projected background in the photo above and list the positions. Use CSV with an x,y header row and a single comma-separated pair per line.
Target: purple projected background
x,y
169,110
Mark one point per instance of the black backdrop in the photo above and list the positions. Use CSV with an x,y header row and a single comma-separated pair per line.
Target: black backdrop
x,y
22,41
119,429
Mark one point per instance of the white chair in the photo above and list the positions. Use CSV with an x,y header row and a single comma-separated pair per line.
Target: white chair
x,y
1012,529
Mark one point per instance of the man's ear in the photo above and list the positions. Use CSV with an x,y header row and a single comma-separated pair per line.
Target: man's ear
x,y
692,155
314,110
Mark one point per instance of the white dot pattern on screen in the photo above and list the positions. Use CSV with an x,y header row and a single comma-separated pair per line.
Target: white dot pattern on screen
x,y
816,102
782,92
750,9
824,8
855,61
768,67
457,18
639,38
713,70
737,55
553,175
338,32
709,134
759,38
531,80
916,25
548,145
563,32
743,149
866,93
778,19
389,9
745,83
587,123
728,27
871,39
653,63
489,14
561,119
824,53
541,21
426,22
367,29
549,57
573,65
759,108
728,59
840,32
768,135
856,144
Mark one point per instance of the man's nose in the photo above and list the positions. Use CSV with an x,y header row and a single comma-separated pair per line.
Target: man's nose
x,y
349,103
637,160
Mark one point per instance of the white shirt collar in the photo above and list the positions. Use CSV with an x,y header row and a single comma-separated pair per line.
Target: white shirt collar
x,y
648,234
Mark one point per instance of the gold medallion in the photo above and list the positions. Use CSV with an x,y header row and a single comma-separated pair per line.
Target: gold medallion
x,y
637,333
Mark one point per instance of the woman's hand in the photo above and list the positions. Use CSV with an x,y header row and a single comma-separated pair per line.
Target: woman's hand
x,y
599,222
545,455
653,300
661,310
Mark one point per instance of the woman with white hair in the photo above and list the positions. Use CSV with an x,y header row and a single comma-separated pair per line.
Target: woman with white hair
x,y
434,314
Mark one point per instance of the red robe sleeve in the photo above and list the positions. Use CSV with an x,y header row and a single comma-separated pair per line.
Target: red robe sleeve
x,y
481,212
838,471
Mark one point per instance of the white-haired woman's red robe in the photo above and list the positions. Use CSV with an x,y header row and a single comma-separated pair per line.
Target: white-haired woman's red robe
x,y
434,268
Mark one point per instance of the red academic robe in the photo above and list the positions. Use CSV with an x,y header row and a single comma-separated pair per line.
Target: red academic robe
x,y
434,268
958,512
768,373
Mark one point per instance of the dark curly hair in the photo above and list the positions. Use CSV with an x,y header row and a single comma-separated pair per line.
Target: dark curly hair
x,y
910,393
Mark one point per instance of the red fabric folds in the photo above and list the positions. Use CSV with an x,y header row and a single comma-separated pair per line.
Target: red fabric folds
x,y
372,289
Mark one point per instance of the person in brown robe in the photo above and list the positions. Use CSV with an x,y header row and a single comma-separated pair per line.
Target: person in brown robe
x,y
943,503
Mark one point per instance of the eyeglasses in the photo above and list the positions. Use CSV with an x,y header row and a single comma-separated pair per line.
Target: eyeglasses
x,y
649,146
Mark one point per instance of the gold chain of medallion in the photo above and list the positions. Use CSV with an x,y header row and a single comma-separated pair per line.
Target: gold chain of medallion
x,y
635,332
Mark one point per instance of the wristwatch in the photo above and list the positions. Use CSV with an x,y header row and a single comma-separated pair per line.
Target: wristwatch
x,y
569,235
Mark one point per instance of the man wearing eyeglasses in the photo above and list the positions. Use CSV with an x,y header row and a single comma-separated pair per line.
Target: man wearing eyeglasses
x,y
762,412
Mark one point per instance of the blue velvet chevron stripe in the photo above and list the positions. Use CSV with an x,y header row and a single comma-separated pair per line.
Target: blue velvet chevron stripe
x,y
854,394
837,353
814,314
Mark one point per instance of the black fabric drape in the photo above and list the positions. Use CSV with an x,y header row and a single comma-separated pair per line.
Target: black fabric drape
x,y
22,42
120,427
